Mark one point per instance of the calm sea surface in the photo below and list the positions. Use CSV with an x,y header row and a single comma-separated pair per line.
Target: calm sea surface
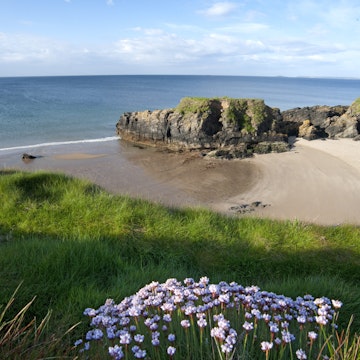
x,y
58,110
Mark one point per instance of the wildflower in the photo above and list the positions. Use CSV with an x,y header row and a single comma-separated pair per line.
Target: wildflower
x,y
155,342
110,333
300,354
116,352
95,334
301,319
204,280
231,338
202,323
224,324
337,304
266,346
256,313
171,350
284,324
89,312
125,338
140,354
153,326
274,328
171,337
321,320
189,281
78,342
185,323
227,348
224,298
214,289
248,315
156,305
139,338
248,326
218,333
155,335
287,337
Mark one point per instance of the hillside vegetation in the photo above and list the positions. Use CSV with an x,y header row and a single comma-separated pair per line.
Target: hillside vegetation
x,y
73,245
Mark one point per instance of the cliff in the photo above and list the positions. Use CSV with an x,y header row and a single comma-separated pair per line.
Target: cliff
x,y
230,128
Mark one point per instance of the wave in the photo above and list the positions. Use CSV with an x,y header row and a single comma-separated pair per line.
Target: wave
x,y
109,138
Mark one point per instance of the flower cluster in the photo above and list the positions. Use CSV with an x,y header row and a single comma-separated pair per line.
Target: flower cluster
x,y
223,319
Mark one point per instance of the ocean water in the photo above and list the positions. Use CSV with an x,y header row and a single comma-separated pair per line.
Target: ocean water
x,y
47,111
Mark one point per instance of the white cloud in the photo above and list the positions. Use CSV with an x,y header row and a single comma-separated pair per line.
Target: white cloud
x,y
246,27
110,2
220,9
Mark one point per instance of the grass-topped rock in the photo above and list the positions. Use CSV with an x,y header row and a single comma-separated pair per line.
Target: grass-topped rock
x,y
230,127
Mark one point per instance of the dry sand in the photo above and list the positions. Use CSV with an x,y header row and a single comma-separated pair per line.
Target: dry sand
x,y
317,181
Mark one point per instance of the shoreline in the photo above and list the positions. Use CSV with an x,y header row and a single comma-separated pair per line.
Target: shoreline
x,y
317,181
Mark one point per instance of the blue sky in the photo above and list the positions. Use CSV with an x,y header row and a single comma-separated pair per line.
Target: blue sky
x,y
316,38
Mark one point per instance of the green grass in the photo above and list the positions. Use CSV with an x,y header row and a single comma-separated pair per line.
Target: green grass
x,y
355,106
72,245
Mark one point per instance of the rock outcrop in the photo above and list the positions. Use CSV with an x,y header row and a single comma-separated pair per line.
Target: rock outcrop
x,y
230,128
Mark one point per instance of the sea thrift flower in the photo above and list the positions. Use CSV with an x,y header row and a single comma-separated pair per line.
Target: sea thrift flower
x,y
273,327
185,323
159,307
227,348
218,333
202,323
300,354
116,352
95,334
139,338
125,338
171,337
266,346
248,326
171,350
337,304
321,320
78,342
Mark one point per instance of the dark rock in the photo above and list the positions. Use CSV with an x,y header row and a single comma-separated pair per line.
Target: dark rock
x,y
26,156
248,208
323,121
231,127
236,128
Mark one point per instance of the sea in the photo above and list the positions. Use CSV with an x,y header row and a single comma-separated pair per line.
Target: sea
x,y
49,111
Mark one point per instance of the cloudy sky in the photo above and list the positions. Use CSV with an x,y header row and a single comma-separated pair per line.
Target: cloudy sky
x,y
317,38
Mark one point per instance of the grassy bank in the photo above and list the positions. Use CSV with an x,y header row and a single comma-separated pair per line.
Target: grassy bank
x,y
72,245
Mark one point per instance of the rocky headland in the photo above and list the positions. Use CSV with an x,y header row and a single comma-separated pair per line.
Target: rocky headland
x,y
236,128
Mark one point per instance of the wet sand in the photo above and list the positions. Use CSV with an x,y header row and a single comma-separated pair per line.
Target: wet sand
x,y
317,181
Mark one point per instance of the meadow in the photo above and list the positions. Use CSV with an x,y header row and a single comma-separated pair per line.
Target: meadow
x,y
67,245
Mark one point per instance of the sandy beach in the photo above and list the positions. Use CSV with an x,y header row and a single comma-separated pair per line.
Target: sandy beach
x,y
317,181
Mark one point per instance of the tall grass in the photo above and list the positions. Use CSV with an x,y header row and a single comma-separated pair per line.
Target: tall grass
x,y
73,245
28,339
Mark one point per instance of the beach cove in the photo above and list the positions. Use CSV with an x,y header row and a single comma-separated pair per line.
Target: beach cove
x,y
316,181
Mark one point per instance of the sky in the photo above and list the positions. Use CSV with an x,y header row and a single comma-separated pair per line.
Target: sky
x,y
311,38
